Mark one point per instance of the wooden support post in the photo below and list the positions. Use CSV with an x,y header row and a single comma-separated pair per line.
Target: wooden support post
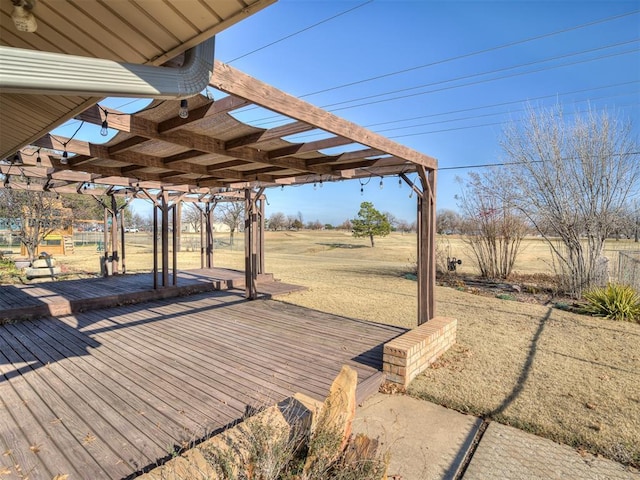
x,y
261,268
426,247
202,238
432,244
155,246
124,268
114,234
175,242
105,239
249,271
165,240
210,241
177,213
255,237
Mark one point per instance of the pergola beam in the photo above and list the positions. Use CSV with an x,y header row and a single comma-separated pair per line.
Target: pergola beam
x,y
234,82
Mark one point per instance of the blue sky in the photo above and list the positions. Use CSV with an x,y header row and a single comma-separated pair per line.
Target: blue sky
x,y
442,77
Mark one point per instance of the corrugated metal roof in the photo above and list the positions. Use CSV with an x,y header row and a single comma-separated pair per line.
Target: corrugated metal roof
x,y
134,31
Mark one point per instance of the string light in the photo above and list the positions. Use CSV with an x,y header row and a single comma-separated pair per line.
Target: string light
x,y
17,159
38,159
363,184
104,131
65,157
315,186
184,108
381,184
320,183
399,181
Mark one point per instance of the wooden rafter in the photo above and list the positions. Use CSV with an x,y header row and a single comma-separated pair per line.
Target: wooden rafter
x,y
234,82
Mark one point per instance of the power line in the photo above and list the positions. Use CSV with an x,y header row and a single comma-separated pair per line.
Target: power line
x,y
471,54
504,164
503,69
269,119
301,31
472,117
468,126
502,104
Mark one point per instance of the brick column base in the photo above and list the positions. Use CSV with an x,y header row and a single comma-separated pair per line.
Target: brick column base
x,y
408,355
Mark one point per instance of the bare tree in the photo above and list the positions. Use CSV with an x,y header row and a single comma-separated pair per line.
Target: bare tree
x,y
33,215
277,221
293,222
448,222
573,178
191,215
315,225
493,228
232,215
405,227
346,225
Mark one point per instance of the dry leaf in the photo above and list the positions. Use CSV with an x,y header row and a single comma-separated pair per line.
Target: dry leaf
x,y
35,448
88,438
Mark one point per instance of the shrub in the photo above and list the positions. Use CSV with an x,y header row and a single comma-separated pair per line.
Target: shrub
x,y
616,302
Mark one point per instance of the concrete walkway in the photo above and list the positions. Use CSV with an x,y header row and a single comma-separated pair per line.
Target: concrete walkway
x,y
428,442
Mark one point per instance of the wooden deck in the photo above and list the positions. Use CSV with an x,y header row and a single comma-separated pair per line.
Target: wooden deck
x,y
111,392
19,302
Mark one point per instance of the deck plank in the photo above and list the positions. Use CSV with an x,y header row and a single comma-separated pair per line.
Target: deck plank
x,y
145,378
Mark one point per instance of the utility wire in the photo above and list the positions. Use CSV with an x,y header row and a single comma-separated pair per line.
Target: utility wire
x,y
498,70
471,54
502,104
300,31
468,127
269,119
504,164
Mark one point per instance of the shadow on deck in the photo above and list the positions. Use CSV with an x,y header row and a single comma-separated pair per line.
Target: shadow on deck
x,y
110,392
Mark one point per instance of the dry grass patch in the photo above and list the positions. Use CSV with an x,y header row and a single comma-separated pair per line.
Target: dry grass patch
x,y
568,377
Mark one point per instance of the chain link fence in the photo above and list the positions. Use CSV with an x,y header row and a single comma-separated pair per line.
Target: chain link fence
x,y
628,268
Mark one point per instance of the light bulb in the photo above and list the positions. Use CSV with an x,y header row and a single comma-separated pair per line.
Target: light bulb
x,y
38,160
315,186
320,183
184,108
104,131
65,158
361,190
381,184
23,19
399,182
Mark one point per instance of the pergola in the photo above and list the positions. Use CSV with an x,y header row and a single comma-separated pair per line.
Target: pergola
x,y
211,156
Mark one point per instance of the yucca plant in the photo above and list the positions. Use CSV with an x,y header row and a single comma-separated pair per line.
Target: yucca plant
x,y
616,302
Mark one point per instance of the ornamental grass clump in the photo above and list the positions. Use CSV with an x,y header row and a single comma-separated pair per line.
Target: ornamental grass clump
x,y
616,302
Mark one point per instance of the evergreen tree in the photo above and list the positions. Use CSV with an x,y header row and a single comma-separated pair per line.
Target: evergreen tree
x,y
370,223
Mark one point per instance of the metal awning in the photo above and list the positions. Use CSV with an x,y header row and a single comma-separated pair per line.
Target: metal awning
x,y
144,33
